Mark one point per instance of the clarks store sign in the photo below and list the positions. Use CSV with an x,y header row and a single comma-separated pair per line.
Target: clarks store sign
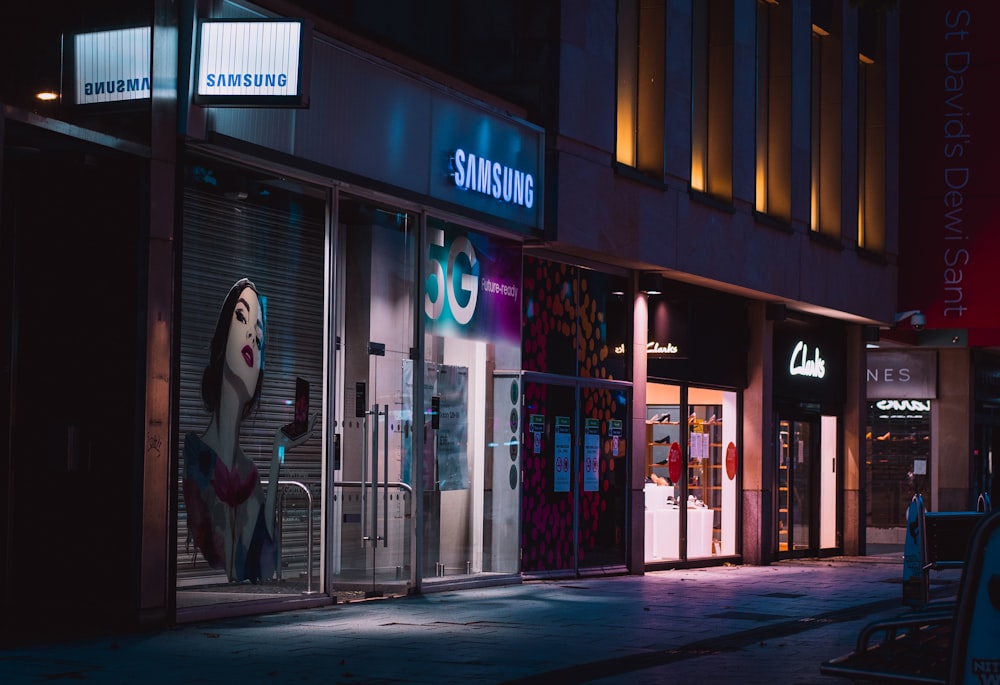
x,y
801,364
666,349
809,361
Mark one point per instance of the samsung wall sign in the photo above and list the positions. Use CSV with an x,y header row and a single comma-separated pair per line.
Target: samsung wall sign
x,y
487,161
474,172
110,66
255,63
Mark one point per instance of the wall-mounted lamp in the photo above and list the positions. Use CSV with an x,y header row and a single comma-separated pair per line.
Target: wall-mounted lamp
x,y
651,283
916,317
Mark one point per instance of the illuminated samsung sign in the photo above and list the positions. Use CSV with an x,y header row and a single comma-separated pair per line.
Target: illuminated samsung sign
x,y
111,66
252,63
482,175
486,161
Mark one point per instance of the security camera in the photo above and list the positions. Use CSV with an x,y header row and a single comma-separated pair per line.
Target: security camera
x,y
916,317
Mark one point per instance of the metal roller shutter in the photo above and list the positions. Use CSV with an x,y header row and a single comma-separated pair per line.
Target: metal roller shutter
x,y
283,253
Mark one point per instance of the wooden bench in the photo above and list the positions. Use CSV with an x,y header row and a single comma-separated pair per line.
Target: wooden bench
x,y
939,645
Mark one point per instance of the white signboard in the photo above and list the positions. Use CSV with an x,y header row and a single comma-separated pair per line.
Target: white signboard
x,y
591,456
249,59
111,66
561,462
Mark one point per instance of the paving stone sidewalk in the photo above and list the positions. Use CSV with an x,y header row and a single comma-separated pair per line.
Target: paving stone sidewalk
x,y
730,624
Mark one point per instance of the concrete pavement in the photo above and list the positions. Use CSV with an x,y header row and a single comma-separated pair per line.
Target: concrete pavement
x,y
730,624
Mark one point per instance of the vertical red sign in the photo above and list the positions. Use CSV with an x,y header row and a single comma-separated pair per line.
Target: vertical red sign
x,y
732,461
674,463
949,202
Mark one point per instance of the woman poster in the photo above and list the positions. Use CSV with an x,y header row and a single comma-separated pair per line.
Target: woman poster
x,y
230,512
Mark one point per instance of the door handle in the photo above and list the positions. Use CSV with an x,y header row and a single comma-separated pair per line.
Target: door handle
x,y
374,501
385,479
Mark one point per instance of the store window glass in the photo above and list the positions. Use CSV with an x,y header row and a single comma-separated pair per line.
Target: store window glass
x,y
550,317
899,458
641,91
251,457
712,78
826,120
472,392
604,326
871,114
576,321
774,110
692,464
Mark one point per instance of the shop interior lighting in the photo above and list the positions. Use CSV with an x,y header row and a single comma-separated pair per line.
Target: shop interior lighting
x,y
651,283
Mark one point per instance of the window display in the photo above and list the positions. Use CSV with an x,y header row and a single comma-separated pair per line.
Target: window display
x,y
899,457
691,458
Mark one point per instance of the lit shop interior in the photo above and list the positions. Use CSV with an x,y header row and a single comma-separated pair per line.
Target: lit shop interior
x,y
691,463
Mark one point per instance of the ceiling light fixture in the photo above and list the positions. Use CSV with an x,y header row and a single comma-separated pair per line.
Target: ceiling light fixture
x,y
651,283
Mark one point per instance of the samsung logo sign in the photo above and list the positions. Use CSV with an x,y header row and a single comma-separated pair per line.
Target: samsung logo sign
x,y
133,85
479,174
246,80
111,66
247,63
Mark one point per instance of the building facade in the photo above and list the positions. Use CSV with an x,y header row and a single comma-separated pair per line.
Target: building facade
x,y
932,382
535,291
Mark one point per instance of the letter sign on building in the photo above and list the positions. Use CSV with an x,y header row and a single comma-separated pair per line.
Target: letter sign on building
x,y
902,374
801,364
253,63
111,66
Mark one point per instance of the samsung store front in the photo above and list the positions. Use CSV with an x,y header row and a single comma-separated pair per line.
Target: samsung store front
x,y
349,337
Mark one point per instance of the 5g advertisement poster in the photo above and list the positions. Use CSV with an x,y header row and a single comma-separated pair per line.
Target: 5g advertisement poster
x,y
473,286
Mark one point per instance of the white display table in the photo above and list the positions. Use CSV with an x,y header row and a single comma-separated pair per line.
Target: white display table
x,y
662,532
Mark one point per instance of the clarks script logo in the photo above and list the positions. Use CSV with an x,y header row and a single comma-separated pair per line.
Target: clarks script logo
x,y
653,347
801,365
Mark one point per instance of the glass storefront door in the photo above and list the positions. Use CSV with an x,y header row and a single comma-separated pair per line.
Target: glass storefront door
x,y
371,522
547,491
795,458
574,495
807,484
602,476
